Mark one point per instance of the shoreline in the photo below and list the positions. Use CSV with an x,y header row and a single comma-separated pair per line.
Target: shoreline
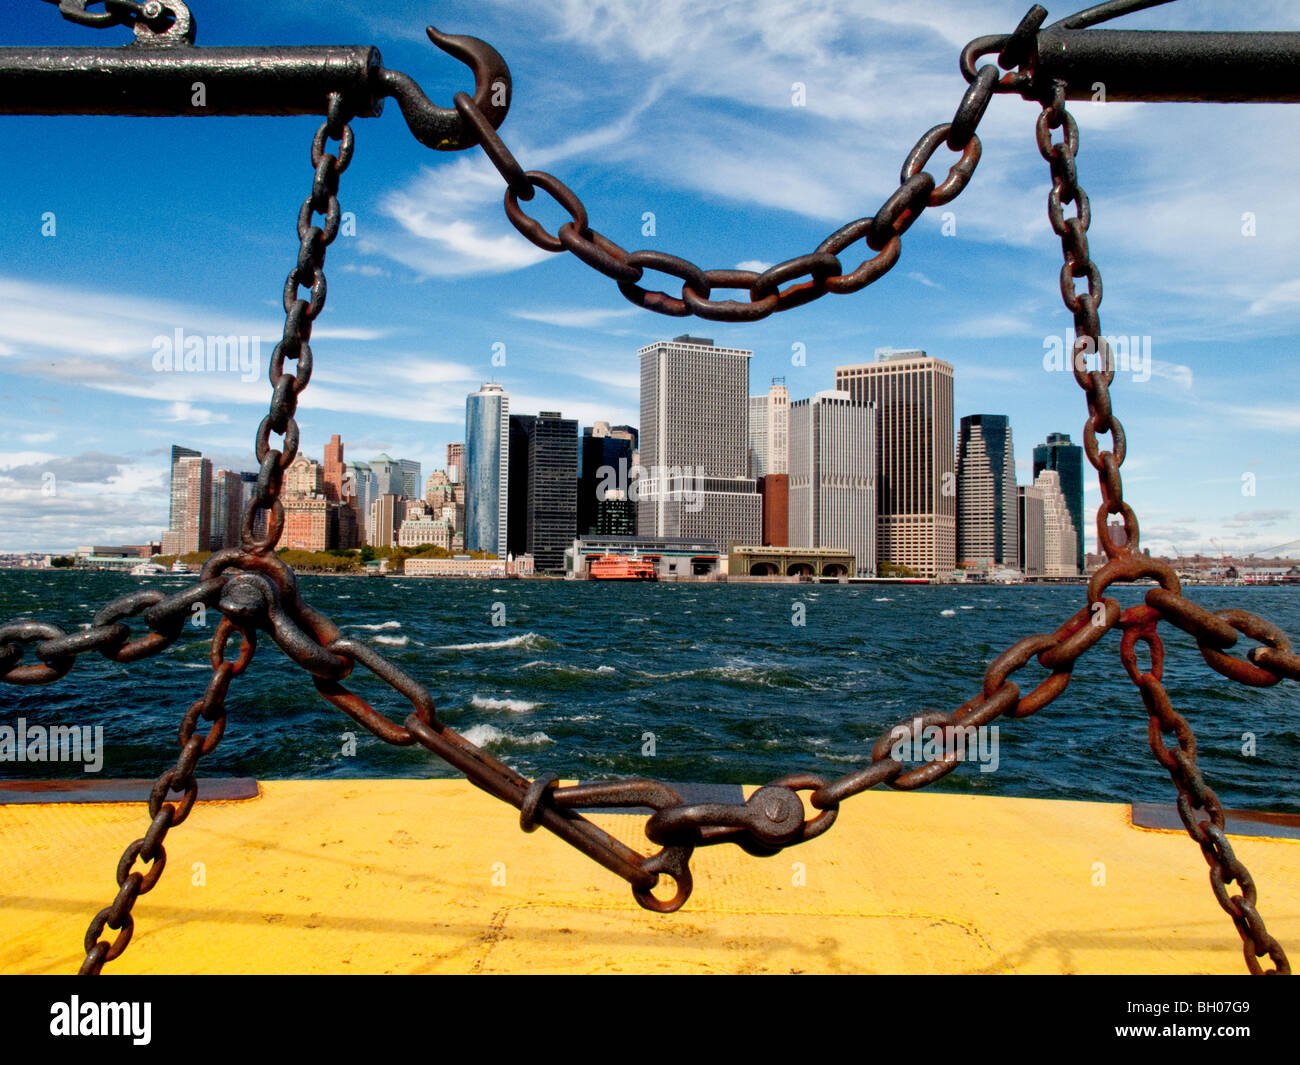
x,y
1038,582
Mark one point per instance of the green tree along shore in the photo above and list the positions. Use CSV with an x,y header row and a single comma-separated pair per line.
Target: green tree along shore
x,y
335,561
890,569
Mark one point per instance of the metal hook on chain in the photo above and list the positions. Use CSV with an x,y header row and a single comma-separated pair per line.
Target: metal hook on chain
x,y
443,128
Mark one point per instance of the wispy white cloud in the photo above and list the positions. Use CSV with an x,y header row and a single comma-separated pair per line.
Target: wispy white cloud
x,y
192,415
628,380
1177,373
348,333
1285,295
1277,419
366,270
576,317
994,325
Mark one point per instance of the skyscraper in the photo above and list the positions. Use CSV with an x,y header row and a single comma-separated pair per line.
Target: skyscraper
x,y
388,476
334,469
455,462
191,492
411,479
387,513
437,489
1058,531
550,504
359,489
832,477
304,477
987,506
487,469
1066,459
608,455
769,431
694,443
1032,526
916,485
178,484
227,509
521,426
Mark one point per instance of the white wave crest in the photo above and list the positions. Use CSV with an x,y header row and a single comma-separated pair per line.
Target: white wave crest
x,y
558,667
515,706
490,735
529,639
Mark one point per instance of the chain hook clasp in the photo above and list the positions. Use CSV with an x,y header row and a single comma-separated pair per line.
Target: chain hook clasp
x,y
443,128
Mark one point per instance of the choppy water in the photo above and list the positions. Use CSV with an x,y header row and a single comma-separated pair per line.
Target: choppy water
x,y
731,690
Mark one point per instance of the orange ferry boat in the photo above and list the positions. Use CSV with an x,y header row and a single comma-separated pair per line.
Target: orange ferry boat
x,y
622,568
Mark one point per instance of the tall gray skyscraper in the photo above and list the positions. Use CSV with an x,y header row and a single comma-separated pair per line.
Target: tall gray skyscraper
x,y
487,469
360,487
1032,527
769,431
833,477
694,443
1066,459
412,483
388,476
916,485
987,508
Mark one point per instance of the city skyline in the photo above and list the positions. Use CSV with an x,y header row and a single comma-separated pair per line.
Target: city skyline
x,y
829,518
436,292
403,476
886,428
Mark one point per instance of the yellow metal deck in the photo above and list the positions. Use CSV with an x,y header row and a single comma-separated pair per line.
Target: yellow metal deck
x,y
423,876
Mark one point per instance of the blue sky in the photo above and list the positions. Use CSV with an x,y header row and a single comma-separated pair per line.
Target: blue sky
x,y
680,109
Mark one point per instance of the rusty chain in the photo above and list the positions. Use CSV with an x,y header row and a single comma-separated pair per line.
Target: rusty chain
x,y
149,849
309,273
253,589
1214,632
882,232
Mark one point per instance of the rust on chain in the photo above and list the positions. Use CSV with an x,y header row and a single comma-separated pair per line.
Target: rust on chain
x,y
255,591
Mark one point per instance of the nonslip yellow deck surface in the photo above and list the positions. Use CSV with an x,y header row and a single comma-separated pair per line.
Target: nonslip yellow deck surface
x,y
424,876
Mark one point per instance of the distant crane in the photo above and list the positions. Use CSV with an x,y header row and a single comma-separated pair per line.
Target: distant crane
x,y
1226,566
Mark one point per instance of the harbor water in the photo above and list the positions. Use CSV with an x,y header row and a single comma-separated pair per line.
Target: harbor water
x,y
720,683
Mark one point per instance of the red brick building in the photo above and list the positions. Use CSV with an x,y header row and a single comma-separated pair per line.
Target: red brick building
x,y
775,491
